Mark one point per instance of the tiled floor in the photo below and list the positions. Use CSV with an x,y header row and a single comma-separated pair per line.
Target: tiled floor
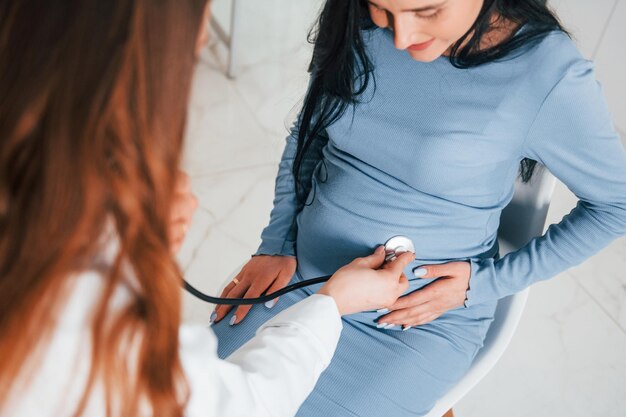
x,y
568,357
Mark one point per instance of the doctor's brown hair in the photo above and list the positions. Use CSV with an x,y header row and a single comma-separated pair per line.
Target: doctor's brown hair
x,y
93,99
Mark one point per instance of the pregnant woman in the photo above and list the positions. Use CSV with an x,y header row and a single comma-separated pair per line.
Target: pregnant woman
x,y
419,116
93,100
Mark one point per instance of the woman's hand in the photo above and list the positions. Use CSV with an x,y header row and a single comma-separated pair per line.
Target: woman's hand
x,y
262,274
361,286
184,205
426,304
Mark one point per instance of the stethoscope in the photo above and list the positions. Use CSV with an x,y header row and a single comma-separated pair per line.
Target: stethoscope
x,y
393,247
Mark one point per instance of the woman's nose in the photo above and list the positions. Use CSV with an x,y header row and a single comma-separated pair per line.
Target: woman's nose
x,y
404,35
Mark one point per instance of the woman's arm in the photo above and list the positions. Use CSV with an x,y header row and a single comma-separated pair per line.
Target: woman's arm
x,y
273,373
573,136
279,237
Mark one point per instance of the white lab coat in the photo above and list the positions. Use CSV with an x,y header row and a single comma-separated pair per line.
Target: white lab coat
x,y
271,375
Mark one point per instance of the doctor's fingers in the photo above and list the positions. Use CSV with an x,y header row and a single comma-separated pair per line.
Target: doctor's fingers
x,y
184,202
183,207
183,182
177,232
400,285
397,265
373,261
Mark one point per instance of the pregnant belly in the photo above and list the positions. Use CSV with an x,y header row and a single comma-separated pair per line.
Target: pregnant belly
x,y
328,239
331,235
350,213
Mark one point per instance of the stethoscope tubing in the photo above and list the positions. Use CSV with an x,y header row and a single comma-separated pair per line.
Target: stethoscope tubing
x,y
247,301
393,246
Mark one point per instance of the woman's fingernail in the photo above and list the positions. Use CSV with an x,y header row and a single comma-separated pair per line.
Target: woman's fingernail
x,y
381,325
419,272
405,328
270,303
390,326
383,311
233,319
213,317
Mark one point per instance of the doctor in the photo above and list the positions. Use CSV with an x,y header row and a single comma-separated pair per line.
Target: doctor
x,y
93,97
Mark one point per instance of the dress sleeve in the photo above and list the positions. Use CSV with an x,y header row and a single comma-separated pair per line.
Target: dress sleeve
x,y
573,136
279,236
270,375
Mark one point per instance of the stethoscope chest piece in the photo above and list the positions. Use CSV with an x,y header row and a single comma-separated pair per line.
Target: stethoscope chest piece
x,y
397,245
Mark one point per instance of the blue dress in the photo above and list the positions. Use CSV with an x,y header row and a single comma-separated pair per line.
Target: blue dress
x,y
432,152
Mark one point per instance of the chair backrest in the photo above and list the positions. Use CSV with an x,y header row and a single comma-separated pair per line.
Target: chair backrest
x,y
521,220
525,216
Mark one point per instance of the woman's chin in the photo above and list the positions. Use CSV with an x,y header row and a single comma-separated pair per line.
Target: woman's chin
x,y
424,56
432,52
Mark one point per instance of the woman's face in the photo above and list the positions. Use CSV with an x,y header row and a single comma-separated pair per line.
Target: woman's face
x,y
426,29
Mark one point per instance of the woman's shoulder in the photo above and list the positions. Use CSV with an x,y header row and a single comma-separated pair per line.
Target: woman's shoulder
x,y
554,57
534,71
559,48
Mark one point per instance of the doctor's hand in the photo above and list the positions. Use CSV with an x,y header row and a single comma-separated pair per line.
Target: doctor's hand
x,y
183,207
262,274
426,304
361,286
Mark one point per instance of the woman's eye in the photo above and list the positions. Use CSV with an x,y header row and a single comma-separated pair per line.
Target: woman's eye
x,y
433,15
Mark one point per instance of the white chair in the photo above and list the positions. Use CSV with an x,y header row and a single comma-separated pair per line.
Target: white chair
x,y
523,219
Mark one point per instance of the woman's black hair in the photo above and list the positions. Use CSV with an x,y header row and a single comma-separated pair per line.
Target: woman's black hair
x,y
340,59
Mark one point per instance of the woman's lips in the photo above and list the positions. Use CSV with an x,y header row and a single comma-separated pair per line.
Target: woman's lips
x,y
421,46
